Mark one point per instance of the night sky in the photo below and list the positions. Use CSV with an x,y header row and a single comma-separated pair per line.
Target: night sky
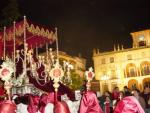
x,y
87,24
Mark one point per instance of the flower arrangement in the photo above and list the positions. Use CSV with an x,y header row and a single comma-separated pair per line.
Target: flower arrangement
x,y
7,70
6,73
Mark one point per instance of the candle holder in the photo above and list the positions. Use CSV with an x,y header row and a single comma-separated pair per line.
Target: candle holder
x,y
56,74
89,76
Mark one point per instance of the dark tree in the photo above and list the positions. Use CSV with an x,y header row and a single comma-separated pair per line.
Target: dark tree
x,y
76,81
10,13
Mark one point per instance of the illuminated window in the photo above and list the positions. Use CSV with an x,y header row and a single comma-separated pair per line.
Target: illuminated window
x,y
142,41
129,57
132,72
113,74
111,59
147,84
141,37
146,70
103,61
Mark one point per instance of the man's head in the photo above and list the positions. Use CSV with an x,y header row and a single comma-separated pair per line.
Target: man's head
x,y
125,88
146,89
136,93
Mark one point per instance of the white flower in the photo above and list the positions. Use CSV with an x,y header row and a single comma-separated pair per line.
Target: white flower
x,y
7,70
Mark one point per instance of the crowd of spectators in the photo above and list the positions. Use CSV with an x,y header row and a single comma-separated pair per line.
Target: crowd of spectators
x,y
116,101
109,100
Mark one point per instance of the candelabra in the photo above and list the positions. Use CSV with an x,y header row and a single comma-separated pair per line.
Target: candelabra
x,y
48,63
41,68
32,63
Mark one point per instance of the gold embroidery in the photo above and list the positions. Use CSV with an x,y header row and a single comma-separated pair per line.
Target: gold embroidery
x,y
35,30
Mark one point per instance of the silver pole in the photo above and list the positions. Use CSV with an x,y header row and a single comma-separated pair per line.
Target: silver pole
x,y
14,49
47,52
57,51
36,51
25,47
4,51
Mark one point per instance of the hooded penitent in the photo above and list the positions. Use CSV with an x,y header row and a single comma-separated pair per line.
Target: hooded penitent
x,y
33,104
61,107
89,103
46,100
129,105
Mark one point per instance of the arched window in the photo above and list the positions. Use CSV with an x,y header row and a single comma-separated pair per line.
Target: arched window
x,y
111,59
146,82
131,70
142,41
133,84
145,68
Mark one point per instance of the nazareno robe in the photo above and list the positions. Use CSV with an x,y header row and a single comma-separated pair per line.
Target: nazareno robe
x,y
129,105
89,103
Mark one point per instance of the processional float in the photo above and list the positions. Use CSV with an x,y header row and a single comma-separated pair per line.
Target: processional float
x,y
31,63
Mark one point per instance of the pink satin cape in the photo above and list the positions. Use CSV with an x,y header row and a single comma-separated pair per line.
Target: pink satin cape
x,y
33,104
128,105
45,99
7,106
61,107
89,103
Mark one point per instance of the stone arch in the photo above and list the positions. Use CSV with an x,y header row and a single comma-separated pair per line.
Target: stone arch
x,y
132,84
146,82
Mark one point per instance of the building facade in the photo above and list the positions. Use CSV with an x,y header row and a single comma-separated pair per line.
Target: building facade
x,y
130,67
79,63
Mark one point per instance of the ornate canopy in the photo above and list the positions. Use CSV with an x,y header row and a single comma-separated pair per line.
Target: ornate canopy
x,y
36,36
